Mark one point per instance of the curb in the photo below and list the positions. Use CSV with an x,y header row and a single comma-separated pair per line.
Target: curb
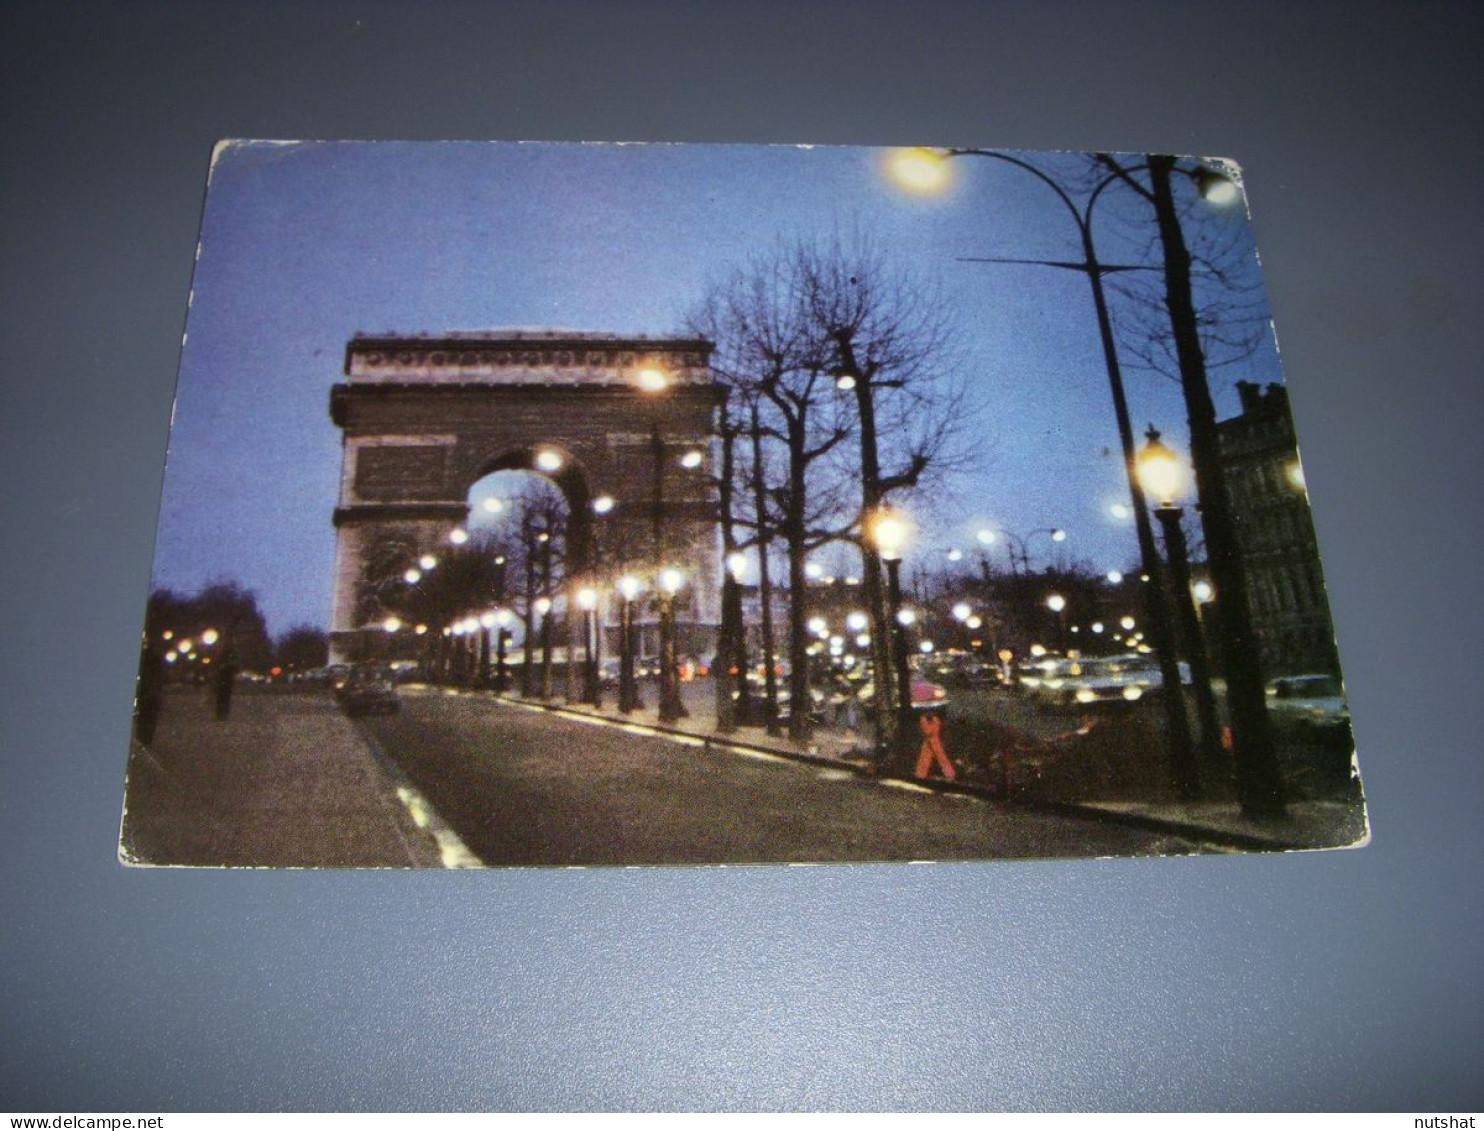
x,y
1185,829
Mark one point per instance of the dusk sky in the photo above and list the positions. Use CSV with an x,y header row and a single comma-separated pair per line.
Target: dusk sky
x,y
304,245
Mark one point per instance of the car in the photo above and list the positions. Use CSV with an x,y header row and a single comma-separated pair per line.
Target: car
x,y
926,695
1309,705
1101,680
369,689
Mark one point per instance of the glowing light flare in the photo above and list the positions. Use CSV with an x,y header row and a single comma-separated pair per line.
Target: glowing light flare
x,y
603,504
1056,602
629,587
587,598
1126,623
1216,187
691,459
412,576
427,561
671,581
458,536
919,170
209,637
961,612
548,460
889,533
493,506
1159,469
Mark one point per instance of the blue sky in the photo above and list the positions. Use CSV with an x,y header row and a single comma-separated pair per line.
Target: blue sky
x,y
304,245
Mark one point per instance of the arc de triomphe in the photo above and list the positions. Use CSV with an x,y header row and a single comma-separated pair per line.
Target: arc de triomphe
x,y
424,417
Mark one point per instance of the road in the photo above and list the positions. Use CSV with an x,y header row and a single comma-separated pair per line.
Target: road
x,y
520,786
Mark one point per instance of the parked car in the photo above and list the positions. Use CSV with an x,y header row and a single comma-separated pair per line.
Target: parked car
x,y
1309,705
369,689
1101,680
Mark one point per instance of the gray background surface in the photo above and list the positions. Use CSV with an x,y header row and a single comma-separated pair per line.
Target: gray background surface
x,y
1335,980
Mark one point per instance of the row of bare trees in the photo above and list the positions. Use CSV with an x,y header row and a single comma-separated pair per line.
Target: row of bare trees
x,y
844,395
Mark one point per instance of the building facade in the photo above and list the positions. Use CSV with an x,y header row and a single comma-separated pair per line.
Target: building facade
x,y
1275,529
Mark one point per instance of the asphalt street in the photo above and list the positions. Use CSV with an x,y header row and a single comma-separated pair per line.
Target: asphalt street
x,y
520,786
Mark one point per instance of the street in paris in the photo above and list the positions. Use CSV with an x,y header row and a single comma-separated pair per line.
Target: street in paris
x,y
289,779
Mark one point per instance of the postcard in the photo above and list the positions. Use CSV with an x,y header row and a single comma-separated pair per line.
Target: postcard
x,y
634,504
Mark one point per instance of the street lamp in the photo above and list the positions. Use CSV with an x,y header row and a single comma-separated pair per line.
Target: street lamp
x,y
1058,605
915,170
889,532
543,610
628,587
671,708
1017,546
502,644
587,601
1163,477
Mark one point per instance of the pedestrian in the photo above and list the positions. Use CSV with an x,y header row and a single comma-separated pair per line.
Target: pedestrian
x,y
933,752
222,682
149,691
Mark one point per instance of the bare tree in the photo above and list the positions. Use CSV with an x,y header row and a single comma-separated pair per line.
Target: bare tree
x,y
891,347
768,346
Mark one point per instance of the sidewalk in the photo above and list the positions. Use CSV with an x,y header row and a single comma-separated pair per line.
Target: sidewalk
x,y
286,781
1309,824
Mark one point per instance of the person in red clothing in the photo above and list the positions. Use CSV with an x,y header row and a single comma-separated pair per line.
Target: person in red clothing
x,y
933,752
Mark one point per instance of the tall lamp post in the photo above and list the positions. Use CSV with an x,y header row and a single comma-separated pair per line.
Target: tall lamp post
x,y
1161,472
1017,546
923,171
629,588
671,708
1058,605
889,533
502,650
592,688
